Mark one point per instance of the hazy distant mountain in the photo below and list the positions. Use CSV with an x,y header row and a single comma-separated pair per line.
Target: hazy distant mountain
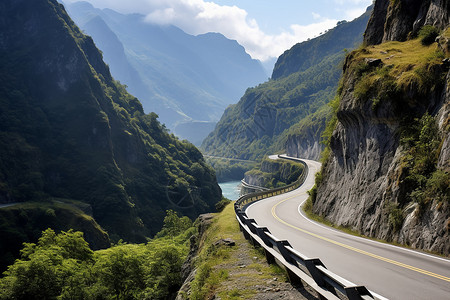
x,y
181,77
275,115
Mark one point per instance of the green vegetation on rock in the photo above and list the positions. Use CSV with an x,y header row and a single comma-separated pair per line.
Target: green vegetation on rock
x,y
229,170
274,173
423,181
233,271
24,222
406,65
428,34
249,129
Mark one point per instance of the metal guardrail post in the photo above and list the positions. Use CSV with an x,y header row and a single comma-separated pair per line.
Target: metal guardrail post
x,y
262,234
250,225
284,252
311,265
358,293
241,215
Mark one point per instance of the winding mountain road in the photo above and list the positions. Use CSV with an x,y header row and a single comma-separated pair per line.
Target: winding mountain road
x,y
389,271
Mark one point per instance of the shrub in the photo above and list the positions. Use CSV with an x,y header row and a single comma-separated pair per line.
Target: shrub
x,y
428,34
174,225
362,68
222,204
395,217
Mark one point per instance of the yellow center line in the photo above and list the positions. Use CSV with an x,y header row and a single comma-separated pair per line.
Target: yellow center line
x,y
355,249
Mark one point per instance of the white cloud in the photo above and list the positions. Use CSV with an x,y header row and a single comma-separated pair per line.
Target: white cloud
x,y
358,7
198,16
354,13
316,16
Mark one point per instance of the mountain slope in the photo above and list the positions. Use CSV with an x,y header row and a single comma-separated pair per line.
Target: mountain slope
x,y
387,174
305,78
185,78
70,131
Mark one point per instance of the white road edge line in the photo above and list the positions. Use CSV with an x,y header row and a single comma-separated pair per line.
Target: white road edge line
x,y
361,238
372,292
368,240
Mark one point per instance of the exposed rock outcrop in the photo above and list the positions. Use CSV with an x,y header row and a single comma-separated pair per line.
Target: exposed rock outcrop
x,y
361,178
304,148
305,140
273,172
401,18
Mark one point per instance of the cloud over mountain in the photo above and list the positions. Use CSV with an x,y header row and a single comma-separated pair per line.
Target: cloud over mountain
x,y
199,16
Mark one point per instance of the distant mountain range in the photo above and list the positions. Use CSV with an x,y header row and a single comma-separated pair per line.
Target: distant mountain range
x,y
187,80
289,111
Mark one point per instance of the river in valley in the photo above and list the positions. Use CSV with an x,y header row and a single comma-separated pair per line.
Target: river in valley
x,y
231,189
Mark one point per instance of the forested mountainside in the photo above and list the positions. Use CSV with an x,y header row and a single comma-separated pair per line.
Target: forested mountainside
x,y
187,80
72,137
268,114
386,174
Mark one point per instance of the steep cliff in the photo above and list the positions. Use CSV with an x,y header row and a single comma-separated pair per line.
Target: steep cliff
x,y
273,173
404,18
304,139
387,172
68,130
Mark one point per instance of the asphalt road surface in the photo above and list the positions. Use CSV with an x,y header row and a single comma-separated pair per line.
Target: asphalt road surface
x,y
389,271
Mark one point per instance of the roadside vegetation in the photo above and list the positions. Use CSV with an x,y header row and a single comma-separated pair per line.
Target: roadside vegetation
x,y
62,266
232,272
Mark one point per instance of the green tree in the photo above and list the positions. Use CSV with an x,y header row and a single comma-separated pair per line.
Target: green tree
x,y
45,267
174,225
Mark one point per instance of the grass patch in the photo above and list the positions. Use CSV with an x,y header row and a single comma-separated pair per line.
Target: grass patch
x,y
406,65
221,268
428,34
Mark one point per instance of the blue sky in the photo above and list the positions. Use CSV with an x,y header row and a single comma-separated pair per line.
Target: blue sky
x,y
266,28
275,16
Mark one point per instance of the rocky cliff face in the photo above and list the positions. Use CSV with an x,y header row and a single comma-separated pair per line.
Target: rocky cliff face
x,y
305,139
309,148
372,181
273,173
403,18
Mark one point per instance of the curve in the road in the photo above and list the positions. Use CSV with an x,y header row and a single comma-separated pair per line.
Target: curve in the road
x,y
395,272
355,249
